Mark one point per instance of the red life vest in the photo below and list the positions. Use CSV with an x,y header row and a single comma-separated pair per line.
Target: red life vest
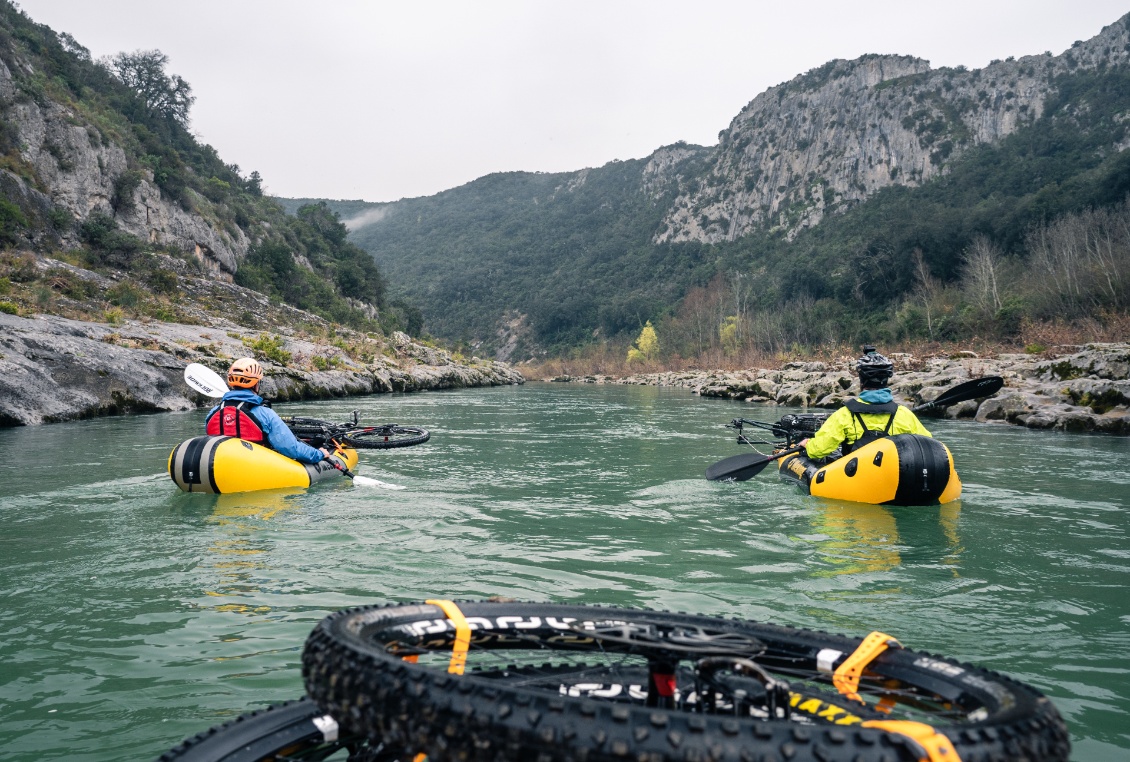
x,y
231,420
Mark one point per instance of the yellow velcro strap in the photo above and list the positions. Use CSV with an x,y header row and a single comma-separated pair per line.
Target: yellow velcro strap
x,y
846,676
938,748
462,636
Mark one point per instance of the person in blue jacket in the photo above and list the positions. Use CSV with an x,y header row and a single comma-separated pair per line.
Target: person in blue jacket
x,y
242,413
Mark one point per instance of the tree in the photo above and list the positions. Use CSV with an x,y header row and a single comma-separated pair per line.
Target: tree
x,y
143,71
927,289
646,346
980,264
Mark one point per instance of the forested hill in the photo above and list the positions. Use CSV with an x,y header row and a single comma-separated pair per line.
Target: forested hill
x,y
875,198
98,168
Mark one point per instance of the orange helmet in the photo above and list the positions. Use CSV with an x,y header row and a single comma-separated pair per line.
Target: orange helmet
x,y
245,373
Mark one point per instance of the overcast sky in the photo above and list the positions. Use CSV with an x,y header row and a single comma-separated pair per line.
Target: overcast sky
x,y
384,100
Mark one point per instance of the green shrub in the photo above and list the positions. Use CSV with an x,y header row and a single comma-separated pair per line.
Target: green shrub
x,y
5,286
108,245
113,316
269,347
163,314
125,295
125,185
162,280
9,308
1035,349
21,268
61,219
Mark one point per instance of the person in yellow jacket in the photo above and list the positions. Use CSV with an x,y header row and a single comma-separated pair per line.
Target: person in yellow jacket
x,y
870,416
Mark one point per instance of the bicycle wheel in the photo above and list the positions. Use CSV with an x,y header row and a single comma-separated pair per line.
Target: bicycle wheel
x,y
562,682
295,730
386,437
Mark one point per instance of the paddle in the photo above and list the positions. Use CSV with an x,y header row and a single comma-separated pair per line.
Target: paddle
x,y
205,380
970,390
739,468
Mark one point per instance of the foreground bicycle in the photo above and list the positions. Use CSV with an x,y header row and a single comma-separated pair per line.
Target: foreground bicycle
x,y
318,433
495,680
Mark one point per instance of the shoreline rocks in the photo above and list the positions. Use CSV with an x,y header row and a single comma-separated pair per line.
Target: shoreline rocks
x,y
55,369
1085,390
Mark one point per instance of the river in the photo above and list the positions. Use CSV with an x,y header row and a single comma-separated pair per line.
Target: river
x,y
134,615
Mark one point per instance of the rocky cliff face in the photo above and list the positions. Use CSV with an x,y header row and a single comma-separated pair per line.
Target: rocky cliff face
x,y
836,135
70,164
55,369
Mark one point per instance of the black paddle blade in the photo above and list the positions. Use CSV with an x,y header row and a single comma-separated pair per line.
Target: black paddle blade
x,y
970,390
738,468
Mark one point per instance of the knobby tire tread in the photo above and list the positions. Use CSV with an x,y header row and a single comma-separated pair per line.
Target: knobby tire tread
x,y
374,440
245,738
473,717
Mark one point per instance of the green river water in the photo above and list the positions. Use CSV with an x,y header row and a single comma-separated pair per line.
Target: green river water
x,y
134,615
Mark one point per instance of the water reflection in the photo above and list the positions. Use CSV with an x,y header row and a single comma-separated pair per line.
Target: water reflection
x,y
239,553
856,538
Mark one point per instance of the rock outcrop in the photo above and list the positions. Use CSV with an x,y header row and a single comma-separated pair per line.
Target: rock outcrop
x,y
56,369
1085,390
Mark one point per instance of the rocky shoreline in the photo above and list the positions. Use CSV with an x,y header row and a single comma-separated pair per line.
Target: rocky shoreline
x,y
58,369
1086,388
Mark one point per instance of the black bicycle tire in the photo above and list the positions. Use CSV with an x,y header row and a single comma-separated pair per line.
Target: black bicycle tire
x,y
475,717
360,438
258,736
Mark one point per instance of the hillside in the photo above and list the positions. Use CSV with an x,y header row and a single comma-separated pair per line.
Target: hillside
x,y
97,163
829,206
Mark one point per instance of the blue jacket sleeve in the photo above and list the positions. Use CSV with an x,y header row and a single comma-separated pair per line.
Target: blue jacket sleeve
x,y
282,439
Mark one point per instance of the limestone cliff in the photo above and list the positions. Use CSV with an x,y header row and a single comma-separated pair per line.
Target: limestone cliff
x,y
838,134
70,165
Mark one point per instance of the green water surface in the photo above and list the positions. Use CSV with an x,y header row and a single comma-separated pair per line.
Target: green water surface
x,y
134,615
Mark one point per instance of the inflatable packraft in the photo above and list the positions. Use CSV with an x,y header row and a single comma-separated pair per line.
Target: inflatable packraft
x,y
228,464
905,469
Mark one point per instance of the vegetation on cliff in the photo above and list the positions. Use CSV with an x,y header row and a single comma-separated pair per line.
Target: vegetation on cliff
x,y
132,103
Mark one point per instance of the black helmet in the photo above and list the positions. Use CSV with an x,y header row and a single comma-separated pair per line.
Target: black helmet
x,y
873,368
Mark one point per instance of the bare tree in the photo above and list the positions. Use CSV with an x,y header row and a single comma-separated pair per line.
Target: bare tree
x,y
980,268
1081,263
926,289
143,71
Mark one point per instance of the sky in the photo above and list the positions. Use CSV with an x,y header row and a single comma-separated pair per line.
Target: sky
x,y
376,100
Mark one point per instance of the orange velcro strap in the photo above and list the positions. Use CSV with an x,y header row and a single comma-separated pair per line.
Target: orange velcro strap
x,y
462,635
846,676
937,747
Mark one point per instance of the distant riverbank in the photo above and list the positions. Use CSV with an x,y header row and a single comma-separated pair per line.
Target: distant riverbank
x,y
1087,389
57,369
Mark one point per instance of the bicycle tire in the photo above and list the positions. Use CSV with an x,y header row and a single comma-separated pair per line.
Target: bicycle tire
x,y
386,437
353,667
293,730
